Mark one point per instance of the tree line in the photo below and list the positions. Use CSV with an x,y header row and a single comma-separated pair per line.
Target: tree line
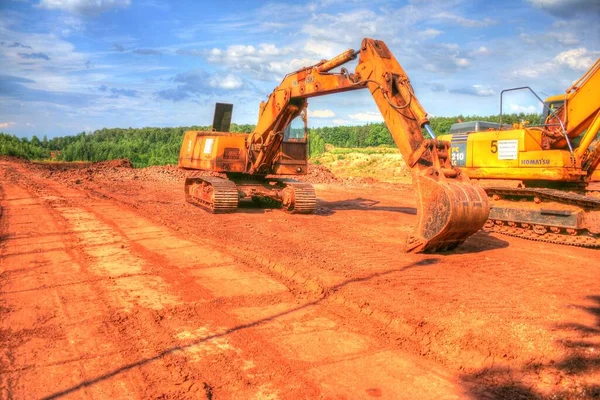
x,y
160,146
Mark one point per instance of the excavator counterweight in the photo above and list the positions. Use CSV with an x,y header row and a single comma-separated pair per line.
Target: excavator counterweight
x,y
450,208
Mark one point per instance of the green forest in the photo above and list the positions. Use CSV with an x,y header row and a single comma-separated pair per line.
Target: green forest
x,y
160,146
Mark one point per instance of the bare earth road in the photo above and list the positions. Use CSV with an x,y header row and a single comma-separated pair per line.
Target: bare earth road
x,y
112,286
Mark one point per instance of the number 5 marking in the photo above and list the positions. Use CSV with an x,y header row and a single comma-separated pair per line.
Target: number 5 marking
x,y
494,147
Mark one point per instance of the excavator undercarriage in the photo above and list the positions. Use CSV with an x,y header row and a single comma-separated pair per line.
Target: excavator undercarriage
x,y
546,215
220,195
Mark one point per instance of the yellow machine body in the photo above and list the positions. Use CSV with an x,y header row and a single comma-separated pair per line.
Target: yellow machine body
x,y
227,153
544,180
213,151
512,154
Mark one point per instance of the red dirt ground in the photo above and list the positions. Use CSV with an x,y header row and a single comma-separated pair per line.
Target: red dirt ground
x,y
112,286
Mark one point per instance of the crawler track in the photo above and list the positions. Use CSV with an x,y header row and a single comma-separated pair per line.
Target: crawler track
x,y
541,232
304,198
214,194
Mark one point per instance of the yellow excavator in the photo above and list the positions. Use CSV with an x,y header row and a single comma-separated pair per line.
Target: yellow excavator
x,y
247,166
543,180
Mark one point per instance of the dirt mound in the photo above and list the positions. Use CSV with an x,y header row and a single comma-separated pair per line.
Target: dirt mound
x,y
122,170
115,170
78,165
119,163
319,174
62,165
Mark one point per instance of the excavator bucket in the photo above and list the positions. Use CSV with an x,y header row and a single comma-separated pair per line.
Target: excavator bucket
x,y
449,211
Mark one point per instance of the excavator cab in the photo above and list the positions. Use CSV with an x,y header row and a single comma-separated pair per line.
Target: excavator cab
x,y
552,104
293,152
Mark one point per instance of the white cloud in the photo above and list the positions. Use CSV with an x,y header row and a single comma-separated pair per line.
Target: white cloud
x,y
339,121
322,49
464,22
577,59
282,68
529,72
516,108
326,113
227,82
481,51
198,83
355,25
239,53
539,70
550,38
475,90
565,38
84,7
266,61
462,62
483,90
349,29
430,33
366,117
6,124
268,25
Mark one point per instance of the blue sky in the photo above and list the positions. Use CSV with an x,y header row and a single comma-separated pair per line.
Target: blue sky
x,y
78,65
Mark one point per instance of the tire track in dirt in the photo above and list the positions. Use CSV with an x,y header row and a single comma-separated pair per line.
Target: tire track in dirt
x,y
43,321
106,255
492,305
496,304
208,324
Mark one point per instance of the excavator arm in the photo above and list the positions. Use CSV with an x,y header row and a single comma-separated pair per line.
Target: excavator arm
x,y
450,208
579,115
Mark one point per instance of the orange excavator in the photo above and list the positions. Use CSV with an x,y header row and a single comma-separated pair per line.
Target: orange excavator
x,y
450,208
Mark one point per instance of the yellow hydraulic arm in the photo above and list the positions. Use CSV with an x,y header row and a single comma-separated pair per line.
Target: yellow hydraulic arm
x,y
580,113
450,208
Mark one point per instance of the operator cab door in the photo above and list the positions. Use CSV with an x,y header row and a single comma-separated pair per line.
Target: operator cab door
x,y
293,153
